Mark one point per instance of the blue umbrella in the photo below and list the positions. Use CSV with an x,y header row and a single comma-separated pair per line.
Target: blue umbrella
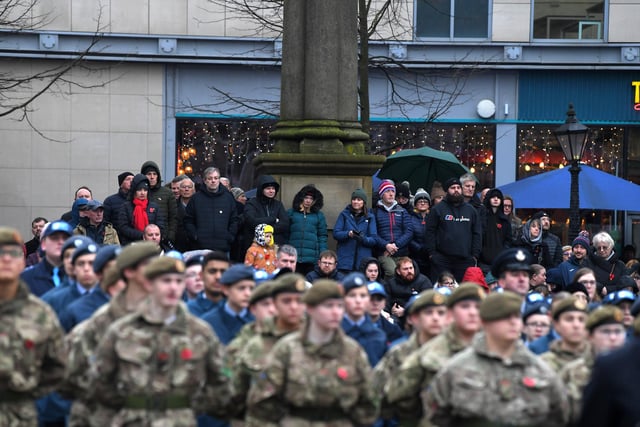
x,y
551,190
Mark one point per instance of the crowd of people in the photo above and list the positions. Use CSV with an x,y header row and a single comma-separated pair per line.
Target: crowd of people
x,y
190,304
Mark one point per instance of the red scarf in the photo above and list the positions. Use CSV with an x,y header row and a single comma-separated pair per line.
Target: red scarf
x,y
140,218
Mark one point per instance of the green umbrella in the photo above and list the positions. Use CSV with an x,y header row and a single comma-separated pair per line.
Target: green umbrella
x,y
421,167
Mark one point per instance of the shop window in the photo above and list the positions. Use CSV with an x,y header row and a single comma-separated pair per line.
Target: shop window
x,y
232,144
568,19
539,151
452,19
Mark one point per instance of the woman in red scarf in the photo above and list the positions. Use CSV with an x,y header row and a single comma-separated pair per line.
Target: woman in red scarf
x,y
138,212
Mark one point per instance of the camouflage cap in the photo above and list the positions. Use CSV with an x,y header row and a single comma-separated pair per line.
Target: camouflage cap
x,y
428,298
261,291
10,236
290,282
163,265
466,291
500,305
322,290
568,304
134,254
604,315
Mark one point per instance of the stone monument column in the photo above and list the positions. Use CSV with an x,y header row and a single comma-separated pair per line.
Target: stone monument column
x,y
318,137
319,97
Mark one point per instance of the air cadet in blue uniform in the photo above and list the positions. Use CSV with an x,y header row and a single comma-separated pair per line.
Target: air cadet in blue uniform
x,y
356,323
214,265
49,272
227,319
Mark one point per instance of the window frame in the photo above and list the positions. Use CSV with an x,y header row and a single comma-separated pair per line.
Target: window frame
x,y
452,36
604,29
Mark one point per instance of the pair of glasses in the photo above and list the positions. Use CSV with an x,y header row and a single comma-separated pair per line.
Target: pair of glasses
x,y
587,282
12,252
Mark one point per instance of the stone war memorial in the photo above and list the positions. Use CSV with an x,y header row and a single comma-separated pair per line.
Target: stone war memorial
x,y
318,139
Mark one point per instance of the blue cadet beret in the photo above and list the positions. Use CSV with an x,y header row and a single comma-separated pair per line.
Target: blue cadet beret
x,y
236,273
535,303
84,249
353,280
615,298
513,259
190,260
376,288
104,255
174,254
75,242
409,304
55,227
554,276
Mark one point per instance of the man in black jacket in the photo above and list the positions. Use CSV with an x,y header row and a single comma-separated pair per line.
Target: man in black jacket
x,y
453,236
210,218
163,197
406,282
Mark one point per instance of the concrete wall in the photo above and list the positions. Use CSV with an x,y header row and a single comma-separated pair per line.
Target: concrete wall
x,y
89,137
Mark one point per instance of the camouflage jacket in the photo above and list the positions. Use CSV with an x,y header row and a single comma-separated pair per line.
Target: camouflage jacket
x,y
140,359
247,332
416,372
478,386
557,357
305,383
32,356
387,369
575,376
251,360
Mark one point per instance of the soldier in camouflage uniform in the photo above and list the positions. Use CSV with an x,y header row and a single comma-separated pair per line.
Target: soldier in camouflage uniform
x,y
261,306
83,341
497,381
159,365
569,317
317,376
427,315
416,372
32,357
287,298
606,333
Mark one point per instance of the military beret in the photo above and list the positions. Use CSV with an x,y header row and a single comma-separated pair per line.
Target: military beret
x,y
104,255
354,280
236,273
163,265
513,259
568,304
538,307
262,291
74,242
290,282
56,227
604,315
322,290
500,305
428,298
615,298
135,253
110,277
376,288
84,249
466,291
10,236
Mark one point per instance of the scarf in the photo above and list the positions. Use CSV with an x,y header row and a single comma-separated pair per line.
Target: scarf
x,y
140,218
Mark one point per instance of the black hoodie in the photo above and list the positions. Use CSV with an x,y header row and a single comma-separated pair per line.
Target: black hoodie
x,y
497,234
263,210
165,200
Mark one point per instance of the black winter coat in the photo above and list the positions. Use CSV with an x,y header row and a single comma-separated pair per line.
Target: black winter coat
x,y
262,210
607,272
211,219
126,232
400,291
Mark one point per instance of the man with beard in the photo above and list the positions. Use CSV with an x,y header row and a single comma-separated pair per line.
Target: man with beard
x,y
453,233
406,282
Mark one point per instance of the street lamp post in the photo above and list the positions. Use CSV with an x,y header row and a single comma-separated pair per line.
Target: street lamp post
x,y
572,136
